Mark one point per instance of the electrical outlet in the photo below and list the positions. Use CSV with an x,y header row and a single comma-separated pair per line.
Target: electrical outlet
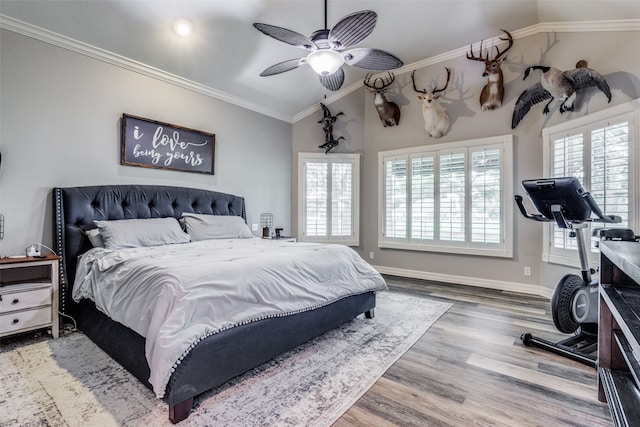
x,y
254,227
527,271
370,255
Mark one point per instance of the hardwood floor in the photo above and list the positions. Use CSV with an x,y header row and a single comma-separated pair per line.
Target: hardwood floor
x,y
470,368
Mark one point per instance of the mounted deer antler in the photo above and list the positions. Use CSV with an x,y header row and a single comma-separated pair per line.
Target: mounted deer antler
x,y
493,92
389,112
436,121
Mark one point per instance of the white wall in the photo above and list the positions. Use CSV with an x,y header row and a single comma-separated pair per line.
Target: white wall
x,y
60,126
607,52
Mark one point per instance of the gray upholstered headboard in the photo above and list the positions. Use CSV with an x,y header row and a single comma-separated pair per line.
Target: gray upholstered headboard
x,y
75,209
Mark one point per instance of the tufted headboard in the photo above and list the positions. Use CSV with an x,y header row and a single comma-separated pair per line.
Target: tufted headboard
x,y
75,209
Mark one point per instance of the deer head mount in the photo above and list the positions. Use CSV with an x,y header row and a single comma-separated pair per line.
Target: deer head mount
x,y
493,92
436,120
388,111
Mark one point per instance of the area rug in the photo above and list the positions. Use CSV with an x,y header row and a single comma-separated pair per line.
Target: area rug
x,y
71,382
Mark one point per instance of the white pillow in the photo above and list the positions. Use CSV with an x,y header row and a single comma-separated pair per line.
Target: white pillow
x,y
133,233
205,227
94,237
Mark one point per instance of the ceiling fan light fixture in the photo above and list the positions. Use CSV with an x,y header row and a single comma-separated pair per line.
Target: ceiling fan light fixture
x,y
325,62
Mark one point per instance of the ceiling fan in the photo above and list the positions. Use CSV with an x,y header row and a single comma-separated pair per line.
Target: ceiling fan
x,y
327,47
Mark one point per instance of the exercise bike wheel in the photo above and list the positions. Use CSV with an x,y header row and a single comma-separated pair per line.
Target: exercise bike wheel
x,y
561,303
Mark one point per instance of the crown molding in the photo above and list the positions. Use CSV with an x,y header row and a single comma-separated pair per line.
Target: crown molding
x,y
73,45
548,27
85,49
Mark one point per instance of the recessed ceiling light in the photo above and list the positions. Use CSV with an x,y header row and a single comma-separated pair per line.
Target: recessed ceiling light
x,y
182,27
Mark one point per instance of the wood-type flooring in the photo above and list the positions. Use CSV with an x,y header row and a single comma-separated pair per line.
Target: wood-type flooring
x,y
471,368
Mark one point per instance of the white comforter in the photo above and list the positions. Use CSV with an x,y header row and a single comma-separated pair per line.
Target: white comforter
x,y
176,295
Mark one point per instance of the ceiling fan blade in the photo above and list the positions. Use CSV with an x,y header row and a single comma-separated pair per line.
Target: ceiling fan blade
x,y
286,36
333,81
352,29
372,59
281,67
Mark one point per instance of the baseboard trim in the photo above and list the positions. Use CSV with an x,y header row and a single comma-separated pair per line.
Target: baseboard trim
x,y
523,288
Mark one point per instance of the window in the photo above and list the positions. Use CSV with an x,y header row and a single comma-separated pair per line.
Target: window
x,y
329,198
598,150
454,197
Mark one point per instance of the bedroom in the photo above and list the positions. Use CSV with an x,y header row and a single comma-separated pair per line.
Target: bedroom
x,y
60,117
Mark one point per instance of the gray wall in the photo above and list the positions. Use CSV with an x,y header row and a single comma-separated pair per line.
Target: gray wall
x,y
60,126
606,52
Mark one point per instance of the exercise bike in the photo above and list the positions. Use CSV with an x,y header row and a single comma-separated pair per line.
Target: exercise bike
x,y
574,302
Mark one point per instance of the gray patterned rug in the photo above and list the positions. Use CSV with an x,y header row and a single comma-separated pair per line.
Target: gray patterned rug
x,y
71,382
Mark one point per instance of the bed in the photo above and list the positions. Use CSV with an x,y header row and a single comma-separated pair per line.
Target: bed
x,y
216,356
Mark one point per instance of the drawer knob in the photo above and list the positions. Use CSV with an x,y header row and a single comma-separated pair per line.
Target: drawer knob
x,y
15,321
15,301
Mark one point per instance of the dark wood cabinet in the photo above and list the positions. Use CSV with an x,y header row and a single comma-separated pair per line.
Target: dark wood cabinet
x,y
619,331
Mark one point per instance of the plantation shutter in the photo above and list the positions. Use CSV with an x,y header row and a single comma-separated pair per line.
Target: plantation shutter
x,y
600,153
486,196
316,185
423,198
329,198
610,169
452,196
341,199
396,198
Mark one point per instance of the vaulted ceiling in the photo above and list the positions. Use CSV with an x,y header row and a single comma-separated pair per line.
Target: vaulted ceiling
x,y
225,54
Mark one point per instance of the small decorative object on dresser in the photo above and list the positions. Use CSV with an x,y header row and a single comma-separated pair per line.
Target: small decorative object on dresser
x,y
29,294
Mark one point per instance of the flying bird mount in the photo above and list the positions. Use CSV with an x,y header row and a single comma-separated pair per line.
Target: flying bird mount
x,y
327,122
329,49
558,84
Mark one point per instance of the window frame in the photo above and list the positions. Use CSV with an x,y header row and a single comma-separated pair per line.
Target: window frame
x,y
627,111
503,249
355,160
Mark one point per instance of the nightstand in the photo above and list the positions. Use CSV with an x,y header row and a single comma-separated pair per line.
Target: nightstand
x,y
29,294
282,239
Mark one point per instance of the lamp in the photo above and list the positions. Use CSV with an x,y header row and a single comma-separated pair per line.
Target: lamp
x,y
325,62
266,222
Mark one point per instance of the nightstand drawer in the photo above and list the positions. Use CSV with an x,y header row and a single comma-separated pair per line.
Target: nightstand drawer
x,y
14,321
12,301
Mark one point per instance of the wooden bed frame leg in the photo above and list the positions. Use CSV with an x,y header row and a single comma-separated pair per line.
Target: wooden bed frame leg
x,y
180,411
370,314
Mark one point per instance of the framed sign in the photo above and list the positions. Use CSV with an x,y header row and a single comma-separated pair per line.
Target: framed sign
x,y
151,144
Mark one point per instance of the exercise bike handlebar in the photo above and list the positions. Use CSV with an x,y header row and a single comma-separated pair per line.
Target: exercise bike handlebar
x,y
598,212
523,211
586,196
